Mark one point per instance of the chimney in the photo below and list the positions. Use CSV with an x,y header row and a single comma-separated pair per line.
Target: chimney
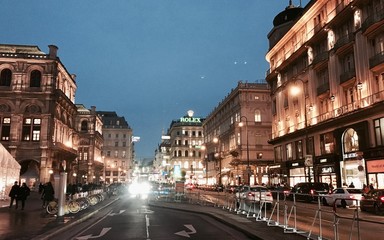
x,y
53,51
93,109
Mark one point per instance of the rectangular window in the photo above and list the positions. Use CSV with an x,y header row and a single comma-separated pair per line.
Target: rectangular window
x,y
299,149
124,154
5,129
327,144
116,144
116,154
108,153
278,155
379,131
31,129
288,151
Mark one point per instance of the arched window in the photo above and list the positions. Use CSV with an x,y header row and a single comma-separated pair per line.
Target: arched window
x,y
35,78
179,153
6,77
186,153
257,115
351,141
84,125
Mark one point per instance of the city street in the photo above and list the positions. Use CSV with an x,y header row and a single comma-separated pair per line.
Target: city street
x,y
134,219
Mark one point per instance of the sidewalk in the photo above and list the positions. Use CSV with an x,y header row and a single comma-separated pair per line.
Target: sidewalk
x,y
34,223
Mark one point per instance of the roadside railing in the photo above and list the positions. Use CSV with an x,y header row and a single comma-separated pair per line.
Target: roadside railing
x,y
285,211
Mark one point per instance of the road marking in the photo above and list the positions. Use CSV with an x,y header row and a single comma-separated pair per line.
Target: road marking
x,y
147,225
114,214
185,233
102,233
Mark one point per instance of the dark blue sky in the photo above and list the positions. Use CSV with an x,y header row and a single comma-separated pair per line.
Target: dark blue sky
x,y
149,60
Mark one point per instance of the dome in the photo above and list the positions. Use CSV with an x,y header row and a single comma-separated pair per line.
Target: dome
x,y
289,14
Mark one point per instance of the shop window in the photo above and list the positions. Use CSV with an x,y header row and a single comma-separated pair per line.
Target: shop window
x,y
327,143
31,129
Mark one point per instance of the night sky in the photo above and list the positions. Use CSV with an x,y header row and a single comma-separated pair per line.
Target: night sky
x,y
149,60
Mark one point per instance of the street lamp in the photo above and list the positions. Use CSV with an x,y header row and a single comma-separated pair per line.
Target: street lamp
x,y
308,157
241,124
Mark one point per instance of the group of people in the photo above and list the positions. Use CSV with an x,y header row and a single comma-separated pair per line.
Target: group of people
x,y
19,193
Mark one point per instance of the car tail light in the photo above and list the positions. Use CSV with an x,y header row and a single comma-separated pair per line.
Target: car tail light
x,y
268,194
251,194
352,197
382,198
313,192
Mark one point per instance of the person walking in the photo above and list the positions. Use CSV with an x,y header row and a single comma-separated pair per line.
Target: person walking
x,y
13,194
48,194
22,195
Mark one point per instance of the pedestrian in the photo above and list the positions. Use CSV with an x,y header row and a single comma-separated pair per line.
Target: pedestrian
x,y
13,194
22,194
351,185
41,186
330,187
371,186
365,188
48,194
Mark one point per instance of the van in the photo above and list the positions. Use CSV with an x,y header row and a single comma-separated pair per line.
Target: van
x,y
308,191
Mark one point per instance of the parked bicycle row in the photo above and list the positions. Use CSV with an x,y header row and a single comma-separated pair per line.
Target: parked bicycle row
x,y
77,202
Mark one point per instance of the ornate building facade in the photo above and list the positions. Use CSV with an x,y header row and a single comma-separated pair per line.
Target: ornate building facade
x,y
236,137
37,111
186,154
118,148
327,83
89,165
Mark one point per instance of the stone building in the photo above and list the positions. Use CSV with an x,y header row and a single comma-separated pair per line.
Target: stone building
x,y
37,111
186,154
89,165
236,137
118,148
327,84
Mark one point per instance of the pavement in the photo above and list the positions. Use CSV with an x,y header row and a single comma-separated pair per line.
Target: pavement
x,y
34,223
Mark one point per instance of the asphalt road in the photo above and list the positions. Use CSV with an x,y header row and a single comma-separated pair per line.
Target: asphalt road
x,y
134,219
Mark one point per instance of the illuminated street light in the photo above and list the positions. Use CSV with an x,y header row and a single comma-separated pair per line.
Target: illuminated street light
x,y
241,124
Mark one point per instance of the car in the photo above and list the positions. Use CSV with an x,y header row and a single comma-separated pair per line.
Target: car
x,y
231,188
308,191
373,201
281,191
255,193
343,196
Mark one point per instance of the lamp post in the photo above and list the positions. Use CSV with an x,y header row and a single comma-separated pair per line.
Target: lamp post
x,y
241,124
308,157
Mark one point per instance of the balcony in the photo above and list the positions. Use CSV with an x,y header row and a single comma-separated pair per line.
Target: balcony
x,y
319,58
343,42
376,61
346,76
372,21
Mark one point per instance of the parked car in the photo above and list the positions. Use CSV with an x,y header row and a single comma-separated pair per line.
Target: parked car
x,y
232,188
373,201
281,191
343,196
308,191
255,193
